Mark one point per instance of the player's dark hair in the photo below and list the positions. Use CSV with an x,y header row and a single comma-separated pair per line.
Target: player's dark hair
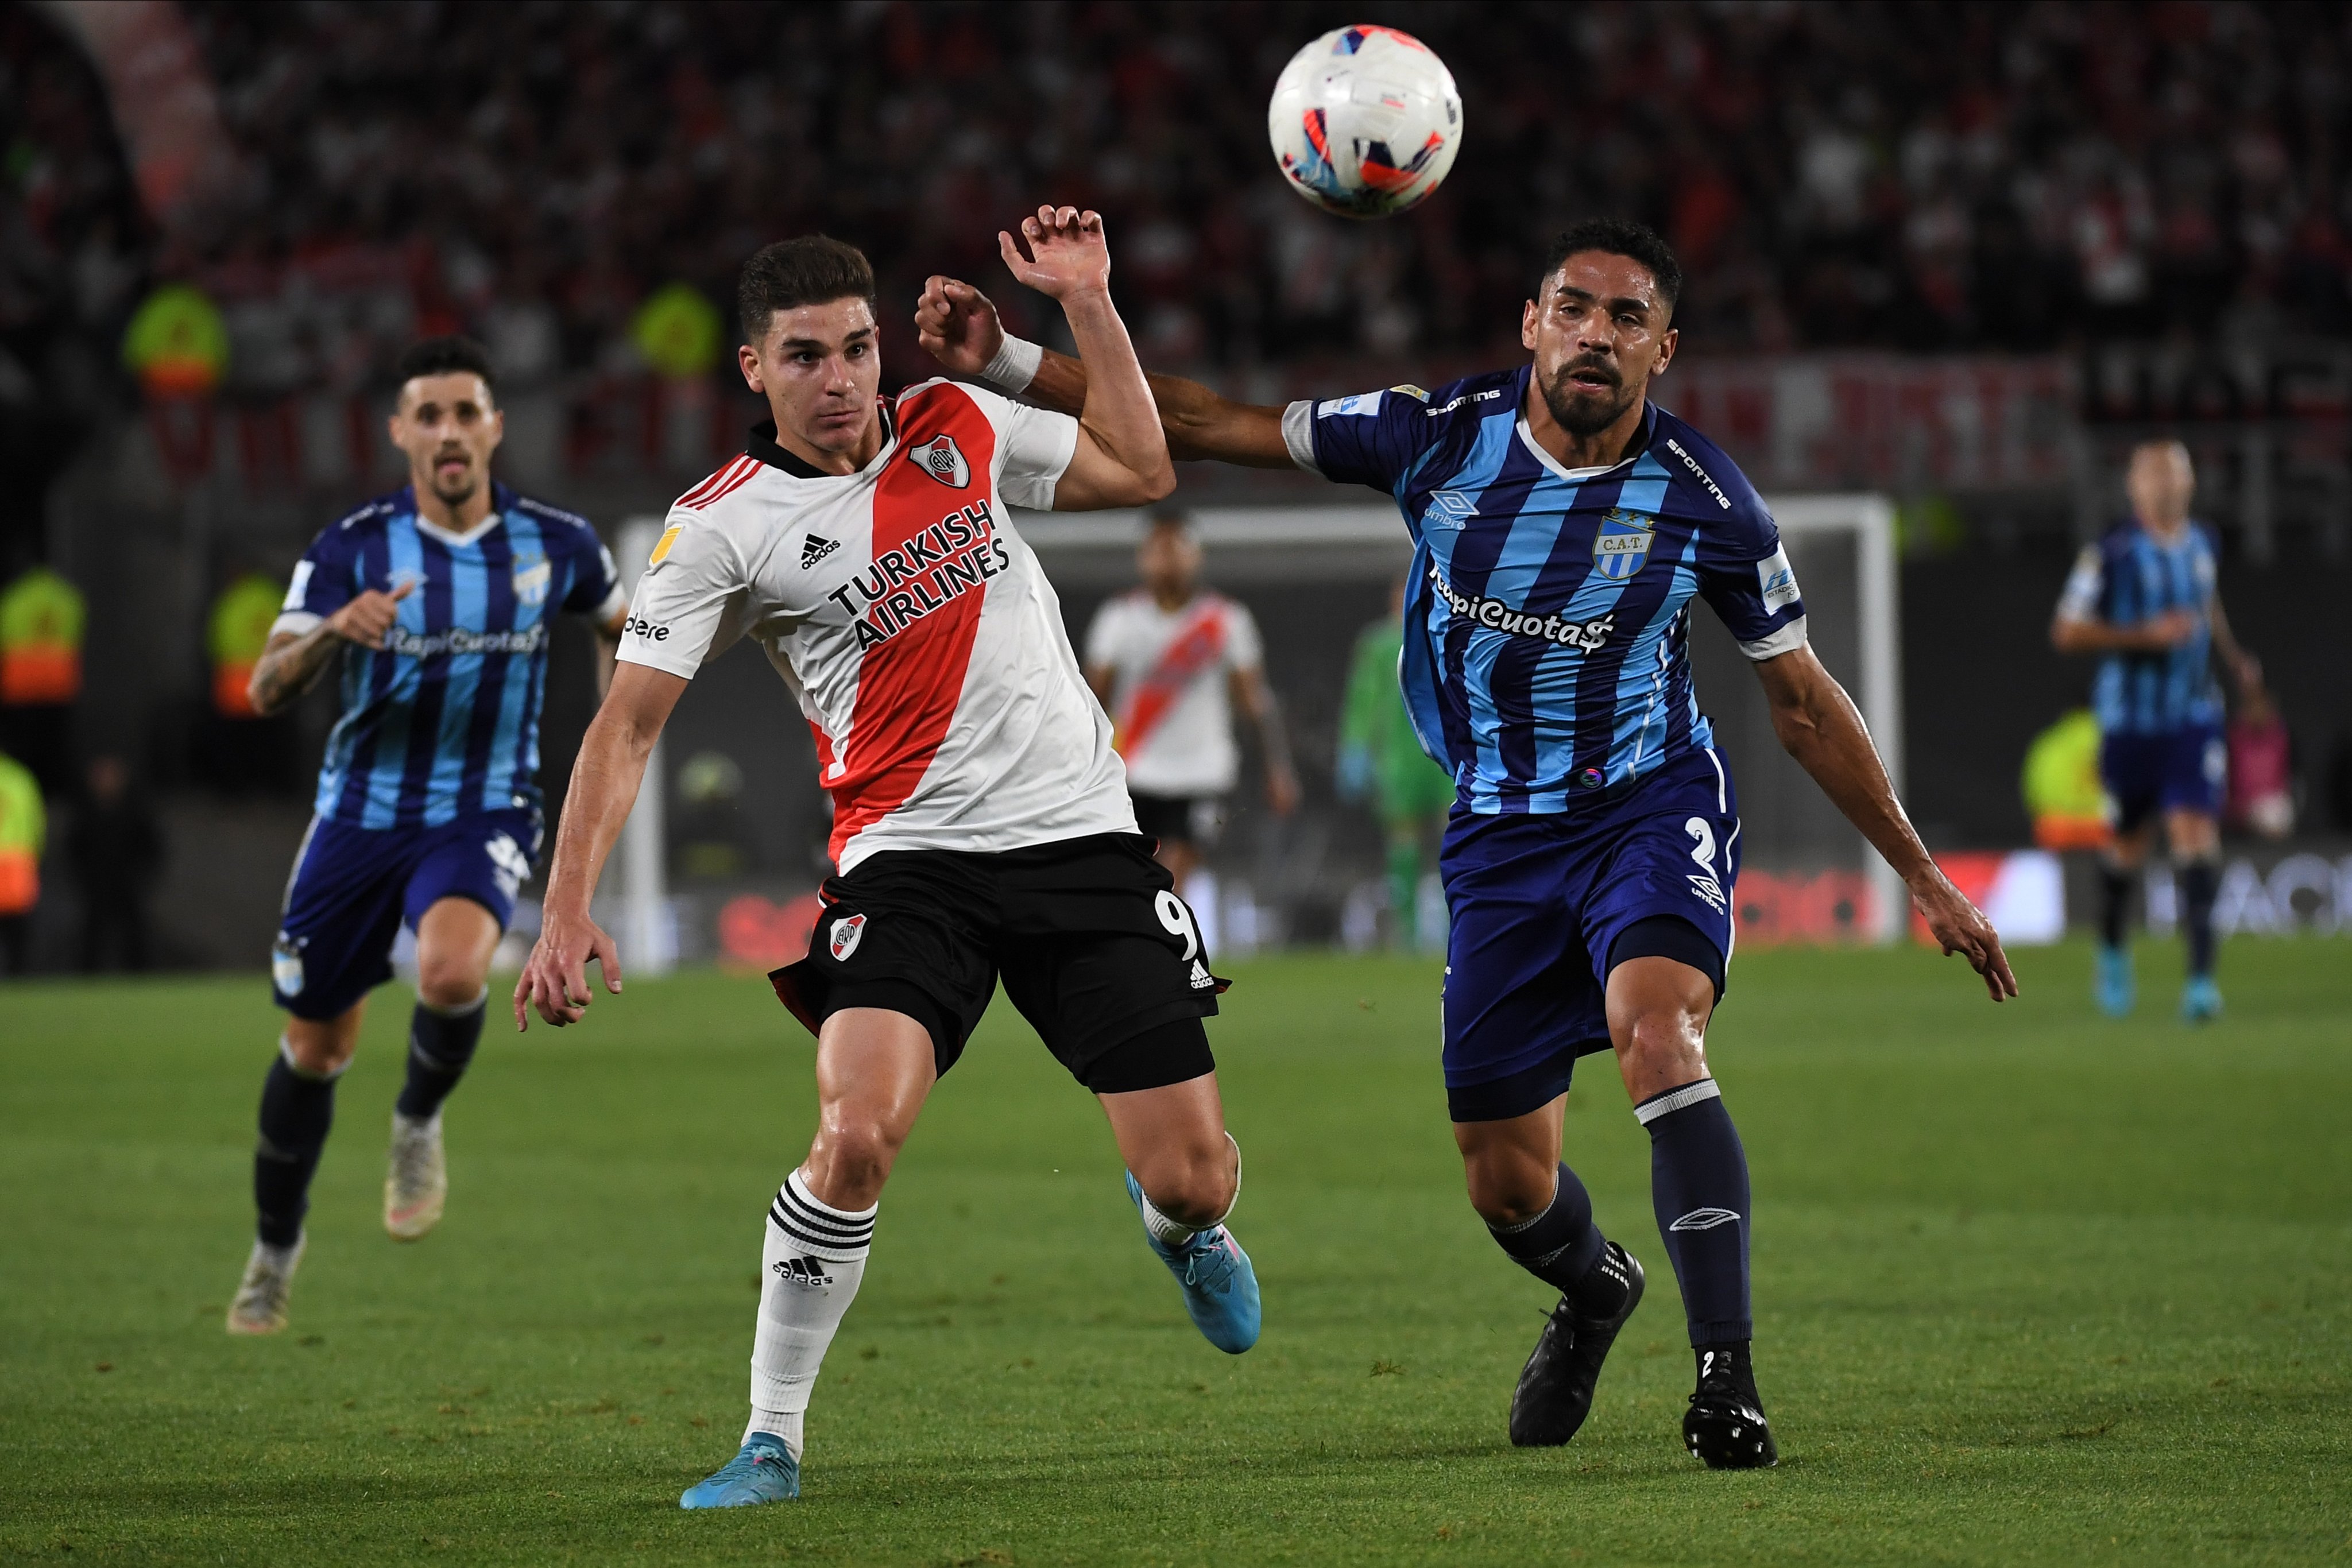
x,y
1618,236
443,357
813,269
1169,514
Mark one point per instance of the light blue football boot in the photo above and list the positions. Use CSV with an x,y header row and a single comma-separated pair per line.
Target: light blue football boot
x,y
2200,1000
2112,983
1220,1286
763,1471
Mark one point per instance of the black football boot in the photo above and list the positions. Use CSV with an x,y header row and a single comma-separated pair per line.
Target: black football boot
x,y
1724,1426
1555,1391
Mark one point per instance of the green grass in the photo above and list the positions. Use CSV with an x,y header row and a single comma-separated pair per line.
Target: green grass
x,y
2032,1287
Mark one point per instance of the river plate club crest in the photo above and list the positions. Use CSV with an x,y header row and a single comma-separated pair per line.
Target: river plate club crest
x,y
1623,544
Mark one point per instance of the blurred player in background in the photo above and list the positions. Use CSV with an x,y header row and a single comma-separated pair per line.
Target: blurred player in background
x,y
1170,662
2143,600
1380,762
436,599
1562,523
981,819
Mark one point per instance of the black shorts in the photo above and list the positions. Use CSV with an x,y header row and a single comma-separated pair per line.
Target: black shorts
x,y
1094,947
1195,819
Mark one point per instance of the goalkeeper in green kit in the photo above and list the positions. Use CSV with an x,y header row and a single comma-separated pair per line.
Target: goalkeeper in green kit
x,y
1383,764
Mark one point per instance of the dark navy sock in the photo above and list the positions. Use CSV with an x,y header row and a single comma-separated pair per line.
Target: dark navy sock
x,y
2200,882
1560,1246
1698,1185
2114,904
295,1111
440,1045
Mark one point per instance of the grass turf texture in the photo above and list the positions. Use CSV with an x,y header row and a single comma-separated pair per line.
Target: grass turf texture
x,y
2033,1286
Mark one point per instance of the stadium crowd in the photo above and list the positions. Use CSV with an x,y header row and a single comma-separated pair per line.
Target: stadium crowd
x,y
2008,176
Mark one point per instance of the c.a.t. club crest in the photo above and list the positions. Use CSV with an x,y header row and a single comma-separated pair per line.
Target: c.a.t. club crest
x,y
1622,545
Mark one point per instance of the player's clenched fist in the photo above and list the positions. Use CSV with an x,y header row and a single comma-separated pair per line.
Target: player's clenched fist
x,y
555,980
368,619
956,325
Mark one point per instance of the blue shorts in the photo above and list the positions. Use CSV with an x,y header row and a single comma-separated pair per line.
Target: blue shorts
x,y
2180,769
1539,901
353,888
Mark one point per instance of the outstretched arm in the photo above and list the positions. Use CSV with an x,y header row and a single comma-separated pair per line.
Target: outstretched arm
x,y
1121,458
1254,698
604,782
957,326
1817,724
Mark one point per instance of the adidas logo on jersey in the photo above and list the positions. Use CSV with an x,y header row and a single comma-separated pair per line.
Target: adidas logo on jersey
x,y
1201,979
807,1272
814,548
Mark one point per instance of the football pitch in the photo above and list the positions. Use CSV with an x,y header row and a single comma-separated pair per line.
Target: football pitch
x,y
2031,1286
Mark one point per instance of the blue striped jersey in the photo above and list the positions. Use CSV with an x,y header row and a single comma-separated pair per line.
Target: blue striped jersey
x,y
2131,576
1546,651
444,720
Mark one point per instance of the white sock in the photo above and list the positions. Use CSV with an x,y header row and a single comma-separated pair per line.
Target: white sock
x,y
1170,1234
809,1273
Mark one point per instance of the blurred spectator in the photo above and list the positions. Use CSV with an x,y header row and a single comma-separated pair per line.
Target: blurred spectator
x,y
2261,798
239,751
713,842
24,829
2063,796
1381,764
115,850
1954,176
41,620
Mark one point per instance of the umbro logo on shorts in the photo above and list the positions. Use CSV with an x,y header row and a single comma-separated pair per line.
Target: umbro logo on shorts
x,y
943,460
803,1271
1704,1219
846,934
815,548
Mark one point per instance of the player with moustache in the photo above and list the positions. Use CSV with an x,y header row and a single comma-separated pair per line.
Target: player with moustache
x,y
436,603
981,826
1562,523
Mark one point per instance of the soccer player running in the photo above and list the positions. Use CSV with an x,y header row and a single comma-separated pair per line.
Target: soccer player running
x,y
981,819
2143,600
1170,662
1561,524
436,599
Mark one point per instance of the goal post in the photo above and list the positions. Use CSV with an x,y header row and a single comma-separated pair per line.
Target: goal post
x,y
646,931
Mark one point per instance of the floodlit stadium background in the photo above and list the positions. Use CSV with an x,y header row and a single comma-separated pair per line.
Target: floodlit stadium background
x,y
1955,257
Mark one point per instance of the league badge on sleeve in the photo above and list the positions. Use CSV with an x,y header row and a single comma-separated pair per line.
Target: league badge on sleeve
x,y
943,460
1622,545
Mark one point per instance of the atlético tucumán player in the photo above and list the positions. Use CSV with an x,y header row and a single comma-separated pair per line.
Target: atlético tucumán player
x,y
981,826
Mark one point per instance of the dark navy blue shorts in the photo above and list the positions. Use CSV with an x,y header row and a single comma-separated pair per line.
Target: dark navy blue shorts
x,y
1543,905
353,888
2180,769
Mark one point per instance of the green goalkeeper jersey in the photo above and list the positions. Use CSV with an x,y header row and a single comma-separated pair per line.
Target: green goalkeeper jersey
x,y
1376,738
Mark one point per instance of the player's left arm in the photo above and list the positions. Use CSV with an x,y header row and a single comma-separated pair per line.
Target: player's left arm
x,y
1818,724
2243,667
605,783
1121,458
1253,694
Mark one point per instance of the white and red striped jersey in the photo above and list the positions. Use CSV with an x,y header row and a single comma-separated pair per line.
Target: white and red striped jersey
x,y
917,630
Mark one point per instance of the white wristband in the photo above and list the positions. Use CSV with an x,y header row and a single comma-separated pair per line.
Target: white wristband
x,y
1015,367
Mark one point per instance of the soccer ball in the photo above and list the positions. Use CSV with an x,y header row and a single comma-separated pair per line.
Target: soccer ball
x,y
1365,121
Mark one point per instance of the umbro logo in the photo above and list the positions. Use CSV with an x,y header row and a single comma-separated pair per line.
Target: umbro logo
x,y
814,548
803,1271
1704,1219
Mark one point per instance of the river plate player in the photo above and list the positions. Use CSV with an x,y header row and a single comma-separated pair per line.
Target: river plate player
x,y
1561,525
981,818
436,601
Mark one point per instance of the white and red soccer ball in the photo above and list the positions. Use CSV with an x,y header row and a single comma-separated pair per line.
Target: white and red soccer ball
x,y
1365,121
